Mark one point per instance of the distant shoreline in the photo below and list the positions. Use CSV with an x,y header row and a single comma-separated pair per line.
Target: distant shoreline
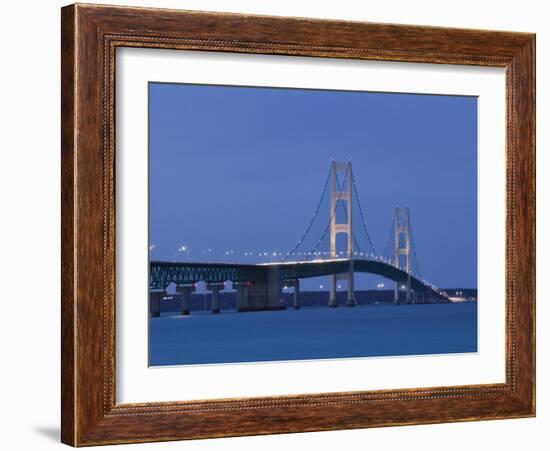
x,y
228,299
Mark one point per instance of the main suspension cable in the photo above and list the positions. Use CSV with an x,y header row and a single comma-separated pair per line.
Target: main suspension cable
x,y
388,242
414,248
292,252
362,215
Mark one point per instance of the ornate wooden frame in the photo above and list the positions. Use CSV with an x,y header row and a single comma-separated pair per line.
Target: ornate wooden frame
x,y
90,35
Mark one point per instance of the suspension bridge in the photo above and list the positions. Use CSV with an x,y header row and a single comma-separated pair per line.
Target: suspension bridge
x,y
259,286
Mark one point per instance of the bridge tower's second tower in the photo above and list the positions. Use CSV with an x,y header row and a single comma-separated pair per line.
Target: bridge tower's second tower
x,y
342,194
402,238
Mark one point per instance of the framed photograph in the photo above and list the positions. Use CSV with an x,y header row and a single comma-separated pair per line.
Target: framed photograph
x,y
279,225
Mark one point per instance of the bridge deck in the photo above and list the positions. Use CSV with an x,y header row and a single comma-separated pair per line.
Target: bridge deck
x,y
164,273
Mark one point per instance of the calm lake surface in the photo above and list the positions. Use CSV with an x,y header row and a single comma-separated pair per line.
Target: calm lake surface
x,y
313,333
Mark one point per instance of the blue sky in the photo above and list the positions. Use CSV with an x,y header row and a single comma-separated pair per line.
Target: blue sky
x,y
242,169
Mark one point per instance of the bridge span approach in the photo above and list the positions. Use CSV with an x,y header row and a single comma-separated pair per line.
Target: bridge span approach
x,y
259,286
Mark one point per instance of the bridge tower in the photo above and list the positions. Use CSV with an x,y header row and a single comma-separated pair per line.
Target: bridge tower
x,y
402,239
341,194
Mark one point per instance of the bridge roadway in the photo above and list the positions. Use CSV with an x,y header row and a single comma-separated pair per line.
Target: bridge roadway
x,y
259,285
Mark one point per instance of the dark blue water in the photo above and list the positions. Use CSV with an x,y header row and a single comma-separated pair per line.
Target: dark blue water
x,y
313,333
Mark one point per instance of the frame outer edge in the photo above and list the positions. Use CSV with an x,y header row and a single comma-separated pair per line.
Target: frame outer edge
x,y
68,241
524,63
533,120
86,420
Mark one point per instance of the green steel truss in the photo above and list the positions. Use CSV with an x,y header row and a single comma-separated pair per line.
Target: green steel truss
x,y
161,274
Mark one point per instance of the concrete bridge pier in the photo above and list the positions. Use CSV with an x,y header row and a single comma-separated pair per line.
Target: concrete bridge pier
x,y
154,302
274,288
408,288
396,293
262,292
296,285
185,291
242,295
408,291
332,302
215,289
424,296
351,302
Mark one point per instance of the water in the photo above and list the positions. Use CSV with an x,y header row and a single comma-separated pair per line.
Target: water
x,y
313,333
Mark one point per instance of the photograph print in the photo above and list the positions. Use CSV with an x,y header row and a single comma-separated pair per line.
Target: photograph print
x,y
302,224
